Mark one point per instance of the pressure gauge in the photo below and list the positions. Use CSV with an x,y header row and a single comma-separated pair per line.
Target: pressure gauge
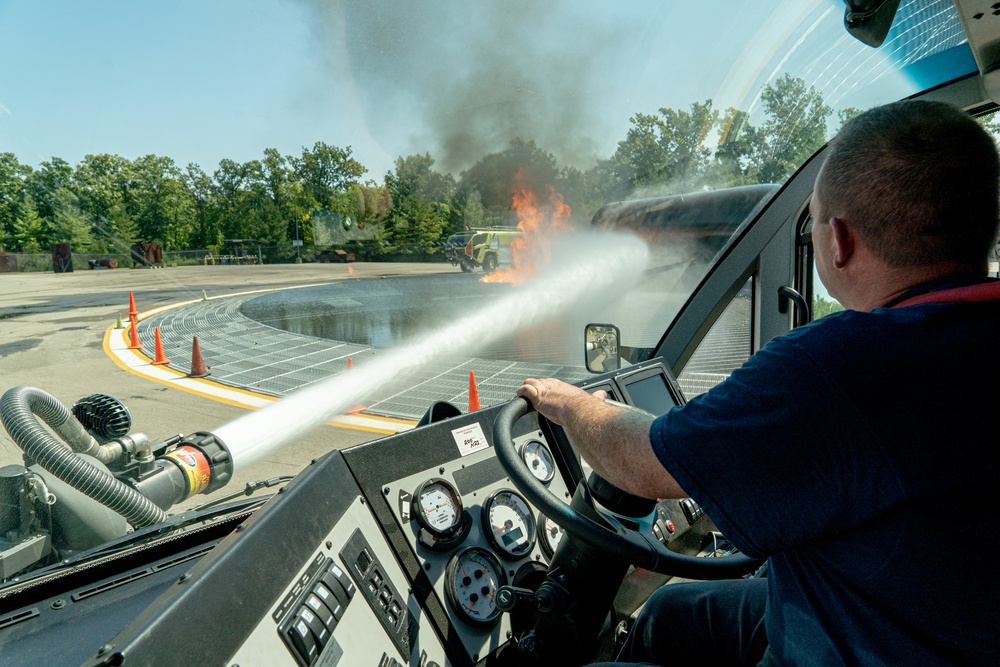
x,y
550,535
539,460
472,578
509,524
438,507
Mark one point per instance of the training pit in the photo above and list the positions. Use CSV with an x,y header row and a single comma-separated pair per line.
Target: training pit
x,y
279,342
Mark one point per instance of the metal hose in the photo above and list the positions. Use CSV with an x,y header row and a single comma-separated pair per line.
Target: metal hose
x,y
18,409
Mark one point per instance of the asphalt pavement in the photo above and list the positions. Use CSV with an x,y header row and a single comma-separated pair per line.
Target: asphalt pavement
x,y
52,328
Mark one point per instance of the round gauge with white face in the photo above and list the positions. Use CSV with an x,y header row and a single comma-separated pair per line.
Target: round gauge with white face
x,y
509,524
472,578
539,460
438,507
550,535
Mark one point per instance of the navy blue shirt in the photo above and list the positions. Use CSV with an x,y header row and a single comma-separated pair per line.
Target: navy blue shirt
x,y
860,454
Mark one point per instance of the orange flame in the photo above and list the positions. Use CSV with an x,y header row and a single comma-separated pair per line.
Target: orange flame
x,y
540,223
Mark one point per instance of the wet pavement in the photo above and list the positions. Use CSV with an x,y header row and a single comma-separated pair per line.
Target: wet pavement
x,y
279,342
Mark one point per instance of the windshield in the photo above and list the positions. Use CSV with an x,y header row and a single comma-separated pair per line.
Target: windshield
x,y
294,191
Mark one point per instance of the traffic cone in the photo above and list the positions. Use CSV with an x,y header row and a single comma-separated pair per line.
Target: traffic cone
x,y
198,369
473,393
133,335
119,324
350,363
131,305
160,357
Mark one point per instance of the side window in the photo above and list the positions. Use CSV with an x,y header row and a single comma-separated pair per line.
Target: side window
x,y
725,348
807,277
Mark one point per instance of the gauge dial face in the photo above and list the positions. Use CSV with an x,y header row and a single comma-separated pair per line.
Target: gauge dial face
x,y
539,460
472,578
551,534
438,507
509,524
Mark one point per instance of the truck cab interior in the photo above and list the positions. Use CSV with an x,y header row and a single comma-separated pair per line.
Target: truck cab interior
x,y
481,538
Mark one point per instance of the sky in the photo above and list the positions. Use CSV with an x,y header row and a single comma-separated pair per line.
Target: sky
x,y
203,81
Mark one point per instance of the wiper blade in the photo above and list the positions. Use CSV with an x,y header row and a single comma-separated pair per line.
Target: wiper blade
x,y
248,490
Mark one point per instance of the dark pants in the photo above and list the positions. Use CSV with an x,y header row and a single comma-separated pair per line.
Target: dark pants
x,y
700,623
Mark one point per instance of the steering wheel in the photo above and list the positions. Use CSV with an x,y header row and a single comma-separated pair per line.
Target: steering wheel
x,y
613,535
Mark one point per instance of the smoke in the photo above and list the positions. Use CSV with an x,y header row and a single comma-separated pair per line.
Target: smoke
x,y
592,267
462,79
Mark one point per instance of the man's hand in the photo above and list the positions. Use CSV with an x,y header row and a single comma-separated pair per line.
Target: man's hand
x,y
557,400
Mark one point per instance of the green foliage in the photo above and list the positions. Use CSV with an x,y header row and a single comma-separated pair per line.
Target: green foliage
x,y
822,307
493,176
666,151
107,202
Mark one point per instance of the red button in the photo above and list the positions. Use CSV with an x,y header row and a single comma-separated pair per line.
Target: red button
x,y
670,525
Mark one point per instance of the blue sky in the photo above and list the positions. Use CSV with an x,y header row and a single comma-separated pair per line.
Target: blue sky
x,y
203,81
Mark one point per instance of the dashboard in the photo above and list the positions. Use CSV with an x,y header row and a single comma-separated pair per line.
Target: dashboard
x,y
389,553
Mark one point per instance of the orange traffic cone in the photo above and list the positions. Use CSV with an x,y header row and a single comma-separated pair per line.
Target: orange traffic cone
x,y
350,363
160,358
198,369
133,335
132,312
473,393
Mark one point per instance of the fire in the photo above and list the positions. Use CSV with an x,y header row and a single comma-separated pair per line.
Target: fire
x,y
540,222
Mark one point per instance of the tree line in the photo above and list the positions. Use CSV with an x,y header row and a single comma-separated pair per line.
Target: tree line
x,y
107,202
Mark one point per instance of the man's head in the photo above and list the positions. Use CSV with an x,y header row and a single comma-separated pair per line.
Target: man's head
x,y
917,182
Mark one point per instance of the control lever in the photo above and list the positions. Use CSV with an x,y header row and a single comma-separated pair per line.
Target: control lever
x,y
511,599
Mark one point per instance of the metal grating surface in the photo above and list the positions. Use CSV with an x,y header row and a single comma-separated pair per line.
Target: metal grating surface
x,y
243,353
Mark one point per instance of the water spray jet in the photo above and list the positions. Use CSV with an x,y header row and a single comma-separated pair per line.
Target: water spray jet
x,y
584,266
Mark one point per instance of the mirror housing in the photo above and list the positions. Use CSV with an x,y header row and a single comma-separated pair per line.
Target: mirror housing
x,y
601,348
869,21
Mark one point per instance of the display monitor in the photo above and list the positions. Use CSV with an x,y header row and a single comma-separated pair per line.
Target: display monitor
x,y
650,389
606,386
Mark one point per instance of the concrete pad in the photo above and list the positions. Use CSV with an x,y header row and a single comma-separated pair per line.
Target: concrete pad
x,y
52,333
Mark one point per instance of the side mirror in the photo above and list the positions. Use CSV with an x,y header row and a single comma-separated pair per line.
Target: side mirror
x,y
601,347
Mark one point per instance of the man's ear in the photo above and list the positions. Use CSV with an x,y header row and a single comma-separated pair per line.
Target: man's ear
x,y
845,237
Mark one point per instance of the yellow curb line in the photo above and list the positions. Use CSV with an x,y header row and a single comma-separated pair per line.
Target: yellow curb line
x,y
133,361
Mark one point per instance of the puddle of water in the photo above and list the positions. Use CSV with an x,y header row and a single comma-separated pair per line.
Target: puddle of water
x,y
393,312
19,346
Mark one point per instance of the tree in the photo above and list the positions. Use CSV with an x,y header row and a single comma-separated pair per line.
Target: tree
x,y
103,184
823,307
67,223
12,193
665,152
421,199
326,170
493,175
163,207
795,127
27,228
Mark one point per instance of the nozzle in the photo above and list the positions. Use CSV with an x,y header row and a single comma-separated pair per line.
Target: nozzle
x,y
200,463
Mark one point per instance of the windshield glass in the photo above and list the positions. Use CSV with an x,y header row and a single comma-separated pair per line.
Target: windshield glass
x,y
200,154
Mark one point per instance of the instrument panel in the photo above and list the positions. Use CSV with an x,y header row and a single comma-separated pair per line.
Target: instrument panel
x,y
473,532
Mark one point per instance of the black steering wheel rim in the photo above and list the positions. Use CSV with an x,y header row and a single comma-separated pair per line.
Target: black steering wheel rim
x,y
615,536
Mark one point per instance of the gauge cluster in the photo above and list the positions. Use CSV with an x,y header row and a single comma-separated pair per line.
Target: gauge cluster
x,y
473,532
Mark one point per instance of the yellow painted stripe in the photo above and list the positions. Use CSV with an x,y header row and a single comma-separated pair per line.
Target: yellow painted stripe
x,y
137,363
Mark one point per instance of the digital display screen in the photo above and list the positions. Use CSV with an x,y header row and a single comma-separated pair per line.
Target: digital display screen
x,y
612,394
511,537
651,394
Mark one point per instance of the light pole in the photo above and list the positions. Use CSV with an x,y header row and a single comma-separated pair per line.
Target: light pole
x,y
297,243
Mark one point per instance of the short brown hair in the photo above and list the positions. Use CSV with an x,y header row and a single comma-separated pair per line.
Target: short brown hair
x,y
919,180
